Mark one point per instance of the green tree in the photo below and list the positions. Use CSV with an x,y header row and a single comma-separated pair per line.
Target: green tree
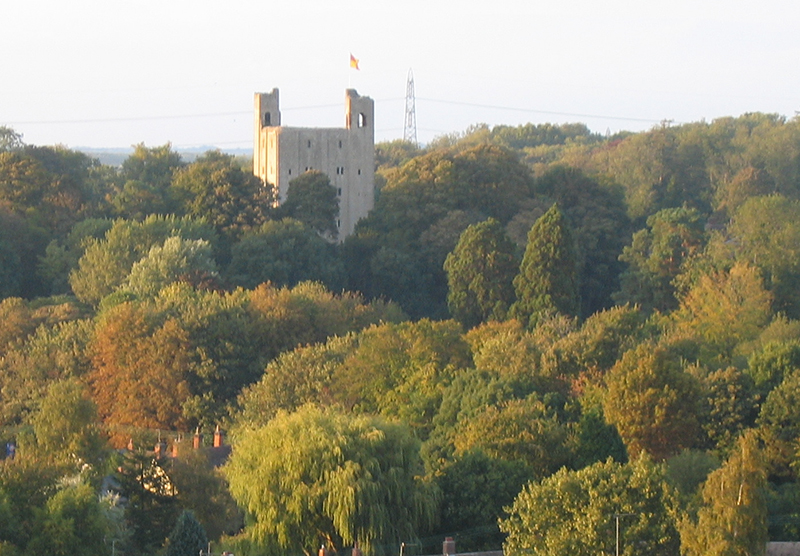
x,y
475,489
600,227
187,537
54,352
769,365
176,258
72,523
525,431
65,425
106,263
145,178
10,140
401,370
765,233
217,189
285,253
152,505
732,519
203,489
547,279
480,271
312,200
336,479
573,512
657,255
731,406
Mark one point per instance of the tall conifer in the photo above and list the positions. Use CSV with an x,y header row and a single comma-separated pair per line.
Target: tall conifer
x,y
547,281
480,271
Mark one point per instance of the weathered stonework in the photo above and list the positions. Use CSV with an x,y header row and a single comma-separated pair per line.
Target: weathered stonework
x,y
346,155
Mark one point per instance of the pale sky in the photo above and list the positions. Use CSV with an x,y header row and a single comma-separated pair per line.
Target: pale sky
x,y
113,73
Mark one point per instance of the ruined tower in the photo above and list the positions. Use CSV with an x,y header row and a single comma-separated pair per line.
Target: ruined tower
x,y
346,155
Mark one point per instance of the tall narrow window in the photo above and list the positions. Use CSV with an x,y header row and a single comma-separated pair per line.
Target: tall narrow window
x,y
362,119
268,118
340,144
309,143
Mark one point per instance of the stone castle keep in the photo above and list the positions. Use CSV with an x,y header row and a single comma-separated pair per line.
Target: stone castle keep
x,y
346,155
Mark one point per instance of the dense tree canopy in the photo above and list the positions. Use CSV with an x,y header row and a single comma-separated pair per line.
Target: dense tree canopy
x,y
192,309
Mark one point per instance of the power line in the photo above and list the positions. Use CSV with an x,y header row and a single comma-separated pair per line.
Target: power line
x,y
323,106
534,111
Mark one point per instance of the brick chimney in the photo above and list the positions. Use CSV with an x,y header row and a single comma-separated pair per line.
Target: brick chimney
x,y
197,441
448,546
219,437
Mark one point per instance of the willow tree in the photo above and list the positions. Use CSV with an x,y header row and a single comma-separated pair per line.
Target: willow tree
x,y
547,281
322,477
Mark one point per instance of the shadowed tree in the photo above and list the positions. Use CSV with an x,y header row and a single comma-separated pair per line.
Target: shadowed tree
x,y
188,537
547,281
480,271
312,200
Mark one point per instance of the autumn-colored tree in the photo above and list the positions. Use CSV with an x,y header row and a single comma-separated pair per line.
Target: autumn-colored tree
x,y
139,376
480,271
724,310
547,279
653,402
732,519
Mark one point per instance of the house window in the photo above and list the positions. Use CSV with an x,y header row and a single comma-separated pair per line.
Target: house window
x,y
268,118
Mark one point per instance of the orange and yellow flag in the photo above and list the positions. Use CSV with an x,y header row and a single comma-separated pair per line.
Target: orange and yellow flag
x,y
353,62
